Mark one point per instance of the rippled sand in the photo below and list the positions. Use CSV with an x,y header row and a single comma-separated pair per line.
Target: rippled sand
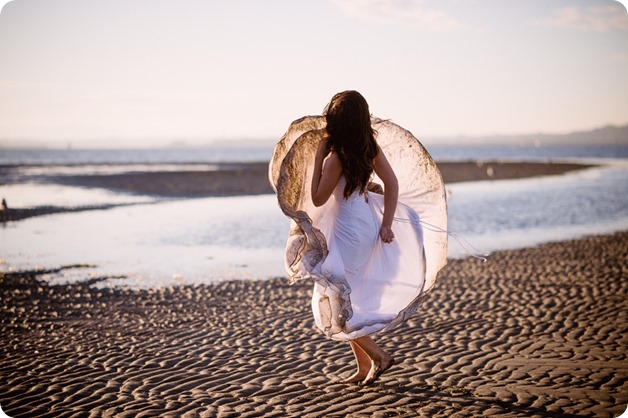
x,y
539,332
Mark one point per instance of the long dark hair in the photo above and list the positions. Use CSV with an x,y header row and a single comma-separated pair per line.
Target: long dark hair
x,y
352,137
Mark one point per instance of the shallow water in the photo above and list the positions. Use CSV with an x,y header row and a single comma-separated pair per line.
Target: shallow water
x,y
249,151
26,195
180,241
168,242
505,214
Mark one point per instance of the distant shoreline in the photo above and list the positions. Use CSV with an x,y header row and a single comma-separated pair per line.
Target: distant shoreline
x,y
609,134
241,179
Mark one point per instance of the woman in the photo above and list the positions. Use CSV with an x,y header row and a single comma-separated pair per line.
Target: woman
x,y
353,154
364,251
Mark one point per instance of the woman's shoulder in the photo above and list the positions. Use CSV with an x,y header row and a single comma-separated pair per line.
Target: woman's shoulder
x,y
332,161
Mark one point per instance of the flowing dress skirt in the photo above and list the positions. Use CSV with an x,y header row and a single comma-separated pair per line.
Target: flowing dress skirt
x,y
385,281
361,284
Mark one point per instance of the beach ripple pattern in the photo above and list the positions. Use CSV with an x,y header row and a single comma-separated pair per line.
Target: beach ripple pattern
x,y
539,332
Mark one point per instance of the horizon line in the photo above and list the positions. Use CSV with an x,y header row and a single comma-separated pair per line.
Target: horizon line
x,y
164,143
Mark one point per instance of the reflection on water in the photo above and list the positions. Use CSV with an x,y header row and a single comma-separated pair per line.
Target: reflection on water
x,y
203,240
519,213
106,169
27,195
186,241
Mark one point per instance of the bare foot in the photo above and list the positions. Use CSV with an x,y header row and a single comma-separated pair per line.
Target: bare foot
x,y
377,370
357,377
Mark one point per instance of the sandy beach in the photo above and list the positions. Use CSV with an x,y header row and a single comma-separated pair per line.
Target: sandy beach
x,y
538,332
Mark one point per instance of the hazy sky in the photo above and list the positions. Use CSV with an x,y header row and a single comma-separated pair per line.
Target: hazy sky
x,y
154,72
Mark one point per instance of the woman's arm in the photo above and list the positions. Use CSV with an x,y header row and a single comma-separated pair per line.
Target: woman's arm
x,y
324,181
391,194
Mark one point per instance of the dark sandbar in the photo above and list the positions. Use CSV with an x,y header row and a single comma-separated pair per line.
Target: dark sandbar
x,y
252,179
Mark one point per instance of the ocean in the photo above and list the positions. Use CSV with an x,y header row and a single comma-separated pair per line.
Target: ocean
x,y
254,152
154,242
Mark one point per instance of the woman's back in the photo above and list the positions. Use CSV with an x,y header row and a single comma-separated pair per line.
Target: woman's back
x,y
367,278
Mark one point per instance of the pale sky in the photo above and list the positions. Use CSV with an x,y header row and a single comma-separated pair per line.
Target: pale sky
x,y
151,72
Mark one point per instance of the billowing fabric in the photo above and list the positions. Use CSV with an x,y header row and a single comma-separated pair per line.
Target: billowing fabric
x,y
362,285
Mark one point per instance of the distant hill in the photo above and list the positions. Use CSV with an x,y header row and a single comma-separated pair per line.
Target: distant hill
x,y
608,135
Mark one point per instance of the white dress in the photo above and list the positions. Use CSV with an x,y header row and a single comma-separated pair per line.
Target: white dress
x,y
362,285
385,280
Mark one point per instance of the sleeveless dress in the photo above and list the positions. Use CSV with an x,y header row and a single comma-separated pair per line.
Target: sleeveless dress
x,y
361,284
385,281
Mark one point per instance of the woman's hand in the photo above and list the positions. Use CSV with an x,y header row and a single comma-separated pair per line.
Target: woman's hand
x,y
386,234
391,195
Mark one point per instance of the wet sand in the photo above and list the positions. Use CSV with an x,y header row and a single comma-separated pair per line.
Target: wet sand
x,y
247,179
538,332
252,178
